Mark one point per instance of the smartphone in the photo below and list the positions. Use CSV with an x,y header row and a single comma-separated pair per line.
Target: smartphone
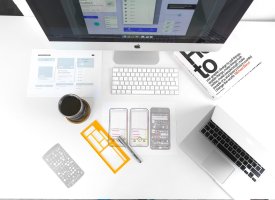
x,y
118,123
139,127
160,128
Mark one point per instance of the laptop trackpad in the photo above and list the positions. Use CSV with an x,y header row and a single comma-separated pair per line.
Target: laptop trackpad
x,y
218,166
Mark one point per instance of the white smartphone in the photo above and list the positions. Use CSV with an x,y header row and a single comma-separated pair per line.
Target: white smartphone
x,y
160,128
139,127
118,123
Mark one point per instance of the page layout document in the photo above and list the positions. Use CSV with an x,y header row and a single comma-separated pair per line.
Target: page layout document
x,y
54,73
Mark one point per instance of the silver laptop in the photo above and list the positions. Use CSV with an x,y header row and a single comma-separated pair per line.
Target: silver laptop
x,y
235,160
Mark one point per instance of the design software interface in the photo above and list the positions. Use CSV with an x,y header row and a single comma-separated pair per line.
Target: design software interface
x,y
138,18
164,21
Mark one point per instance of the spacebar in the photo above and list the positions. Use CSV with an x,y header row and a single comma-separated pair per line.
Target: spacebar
x,y
226,152
143,92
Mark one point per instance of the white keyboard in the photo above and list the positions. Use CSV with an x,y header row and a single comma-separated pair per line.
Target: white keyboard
x,y
145,81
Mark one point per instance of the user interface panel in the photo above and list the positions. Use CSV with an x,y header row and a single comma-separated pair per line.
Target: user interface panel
x,y
138,17
163,21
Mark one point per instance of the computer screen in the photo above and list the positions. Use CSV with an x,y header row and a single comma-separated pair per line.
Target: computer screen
x,y
139,21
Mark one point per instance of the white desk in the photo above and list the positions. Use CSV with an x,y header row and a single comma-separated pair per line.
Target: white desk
x,y
30,126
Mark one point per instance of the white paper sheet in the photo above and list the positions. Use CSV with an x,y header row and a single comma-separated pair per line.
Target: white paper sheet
x,y
54,73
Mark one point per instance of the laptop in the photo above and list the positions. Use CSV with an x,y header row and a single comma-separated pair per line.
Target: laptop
x,y
232,158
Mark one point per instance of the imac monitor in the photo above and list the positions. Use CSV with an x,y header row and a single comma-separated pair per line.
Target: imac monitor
x,y
139,25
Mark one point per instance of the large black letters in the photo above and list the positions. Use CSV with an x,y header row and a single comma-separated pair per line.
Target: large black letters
x,y
209,66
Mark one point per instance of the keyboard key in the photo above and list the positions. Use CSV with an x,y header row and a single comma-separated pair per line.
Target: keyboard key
x,y
215,141
145,92
262,170
203,130
211,124
226,152
238,163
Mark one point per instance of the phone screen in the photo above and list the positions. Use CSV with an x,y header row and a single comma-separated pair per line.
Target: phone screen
x,y
118,123
160,128
139,127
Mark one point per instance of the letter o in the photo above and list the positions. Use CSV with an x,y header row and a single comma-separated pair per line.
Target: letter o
x,y
213,63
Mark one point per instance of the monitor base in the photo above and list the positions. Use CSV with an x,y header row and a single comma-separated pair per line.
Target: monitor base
x,y
136,57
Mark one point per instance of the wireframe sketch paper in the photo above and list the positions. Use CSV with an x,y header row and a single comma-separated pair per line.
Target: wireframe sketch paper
x,y
217,72
54,73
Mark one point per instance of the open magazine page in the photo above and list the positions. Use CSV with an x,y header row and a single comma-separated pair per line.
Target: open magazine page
x,y
218,71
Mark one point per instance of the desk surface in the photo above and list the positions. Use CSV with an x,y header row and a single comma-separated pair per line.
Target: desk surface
x,y
30,126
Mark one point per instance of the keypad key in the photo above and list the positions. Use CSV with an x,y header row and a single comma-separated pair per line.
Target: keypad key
x,y
203,131
262,170
255,172
211,125
238,163
215,141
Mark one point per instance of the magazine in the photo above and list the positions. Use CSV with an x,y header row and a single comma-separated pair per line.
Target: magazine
x,y
218,71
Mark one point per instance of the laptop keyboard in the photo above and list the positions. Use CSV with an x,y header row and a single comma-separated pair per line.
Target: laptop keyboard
x,y
232,150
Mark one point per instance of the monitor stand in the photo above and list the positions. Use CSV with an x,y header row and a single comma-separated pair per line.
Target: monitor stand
x,y
136,57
